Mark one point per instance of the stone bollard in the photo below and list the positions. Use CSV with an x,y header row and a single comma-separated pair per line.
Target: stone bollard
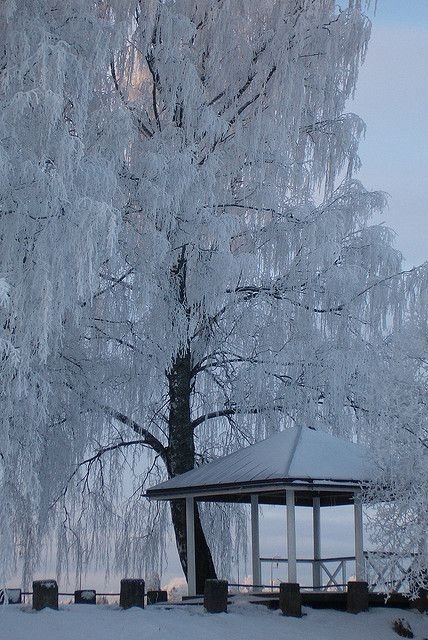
x,y
215,596
45,594
85,596
153,597
132,593
357,597
290,599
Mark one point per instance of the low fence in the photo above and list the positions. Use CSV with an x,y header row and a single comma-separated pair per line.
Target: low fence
x,y
384,573
45,593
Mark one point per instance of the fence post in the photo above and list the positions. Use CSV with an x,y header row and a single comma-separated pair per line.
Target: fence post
x,y
131,593
290,599
45,594
215,596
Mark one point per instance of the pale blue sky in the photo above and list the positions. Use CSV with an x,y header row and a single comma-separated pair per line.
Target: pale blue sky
x,y
401,12
392,98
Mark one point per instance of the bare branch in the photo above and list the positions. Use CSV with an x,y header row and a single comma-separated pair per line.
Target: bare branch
x,y
232,411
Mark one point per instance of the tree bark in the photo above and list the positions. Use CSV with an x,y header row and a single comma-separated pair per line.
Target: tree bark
x,y
181,458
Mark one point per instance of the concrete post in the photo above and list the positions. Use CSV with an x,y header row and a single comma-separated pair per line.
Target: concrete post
x,y
358,597
215,596
45,594
421,602
255,541
153,597
85,596
290,599
132,593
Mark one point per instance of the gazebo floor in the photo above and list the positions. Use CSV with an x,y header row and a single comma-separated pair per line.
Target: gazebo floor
x,y
315,599
337,600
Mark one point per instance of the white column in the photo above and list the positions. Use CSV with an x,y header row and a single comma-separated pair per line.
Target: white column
x,y
358,524
291,536
255,540
316,520
190,533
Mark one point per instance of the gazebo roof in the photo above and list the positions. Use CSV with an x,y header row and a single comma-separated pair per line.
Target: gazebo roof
x,y
312,462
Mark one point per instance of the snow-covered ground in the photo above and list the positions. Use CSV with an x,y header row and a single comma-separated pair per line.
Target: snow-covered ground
x,y
249,622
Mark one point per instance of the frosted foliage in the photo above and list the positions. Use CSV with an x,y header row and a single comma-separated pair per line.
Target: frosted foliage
x,y
58,219
398,521
189,257
226,527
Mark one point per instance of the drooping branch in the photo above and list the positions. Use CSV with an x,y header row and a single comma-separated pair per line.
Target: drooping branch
x,y
112,447
96,458
252,291
150,59
147,437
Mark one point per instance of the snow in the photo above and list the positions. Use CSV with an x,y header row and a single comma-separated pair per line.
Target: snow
x,y
242,621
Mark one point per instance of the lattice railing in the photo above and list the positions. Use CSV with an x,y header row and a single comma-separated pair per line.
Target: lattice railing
x,y
384,572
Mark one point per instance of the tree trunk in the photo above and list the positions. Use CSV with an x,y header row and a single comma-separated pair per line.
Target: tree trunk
x,y
181,457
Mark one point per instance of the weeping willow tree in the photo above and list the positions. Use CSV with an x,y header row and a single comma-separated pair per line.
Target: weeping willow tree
x,y
189,262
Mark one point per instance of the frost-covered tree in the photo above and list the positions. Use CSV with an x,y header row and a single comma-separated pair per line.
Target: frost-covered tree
x,y
245,272
244,289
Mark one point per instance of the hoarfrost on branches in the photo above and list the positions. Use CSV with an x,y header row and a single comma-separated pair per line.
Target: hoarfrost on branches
x,y
191,261
399,521
59,206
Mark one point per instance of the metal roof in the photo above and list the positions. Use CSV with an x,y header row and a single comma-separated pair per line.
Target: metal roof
x,y
299,457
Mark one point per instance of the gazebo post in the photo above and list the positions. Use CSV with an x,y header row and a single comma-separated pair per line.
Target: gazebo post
x,y
291,536
190,536
358,527
255,541
316,520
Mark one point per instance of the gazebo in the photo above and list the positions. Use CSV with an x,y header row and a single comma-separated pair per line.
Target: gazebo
x,y
299,466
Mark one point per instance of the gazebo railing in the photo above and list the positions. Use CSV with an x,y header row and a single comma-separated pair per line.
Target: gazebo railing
x,y
385,572
382,570
333,573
